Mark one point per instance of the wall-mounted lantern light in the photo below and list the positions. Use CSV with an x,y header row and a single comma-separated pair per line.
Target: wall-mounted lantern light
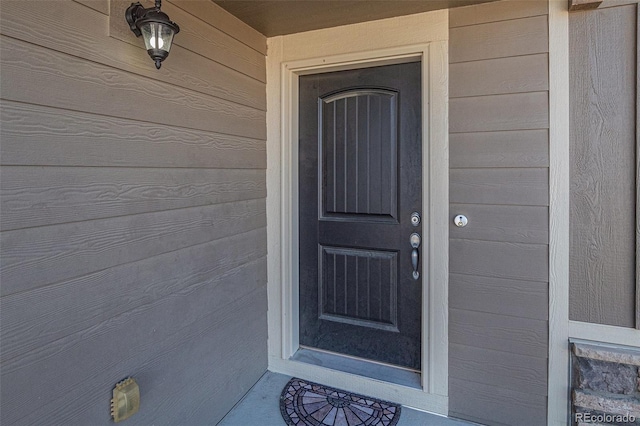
x,y
155,27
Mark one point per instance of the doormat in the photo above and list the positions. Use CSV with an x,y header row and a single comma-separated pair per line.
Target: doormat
x,y
307,403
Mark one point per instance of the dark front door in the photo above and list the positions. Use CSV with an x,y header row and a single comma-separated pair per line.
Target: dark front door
x,y
360,164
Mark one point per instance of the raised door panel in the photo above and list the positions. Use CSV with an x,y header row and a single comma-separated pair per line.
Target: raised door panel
x,y
359,158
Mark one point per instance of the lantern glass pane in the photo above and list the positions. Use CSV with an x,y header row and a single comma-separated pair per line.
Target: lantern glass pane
x,y
148,30
157,36
166,37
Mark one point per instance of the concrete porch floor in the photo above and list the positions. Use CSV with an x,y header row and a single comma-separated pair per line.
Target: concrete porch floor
x,y
261,406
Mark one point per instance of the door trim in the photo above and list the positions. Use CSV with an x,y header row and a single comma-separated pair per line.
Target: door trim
x,y
283,70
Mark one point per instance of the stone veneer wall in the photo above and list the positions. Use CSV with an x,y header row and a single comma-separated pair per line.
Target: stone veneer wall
x,y
605,382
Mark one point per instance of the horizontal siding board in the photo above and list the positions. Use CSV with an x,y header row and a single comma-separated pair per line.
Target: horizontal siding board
x,y
207,40
188,70
528,262
514,224
205,288
516,74
495,405
197,36
36,196
240,347
519,111
500,186
515,37
511,334
217,17
76,84
101,6
496,11
498,368
71,28
114,350
115,291
43,136
524,299
516,148
35,257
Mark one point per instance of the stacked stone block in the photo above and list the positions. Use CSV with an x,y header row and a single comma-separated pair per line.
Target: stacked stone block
x,y
605,385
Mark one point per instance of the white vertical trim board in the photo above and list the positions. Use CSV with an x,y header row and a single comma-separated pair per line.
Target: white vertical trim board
x,y
558,380
437,156
421,36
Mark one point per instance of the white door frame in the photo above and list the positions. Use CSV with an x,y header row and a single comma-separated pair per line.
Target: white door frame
x,y
286,62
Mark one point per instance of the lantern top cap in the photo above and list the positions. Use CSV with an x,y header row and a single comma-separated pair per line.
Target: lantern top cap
x,y
157,16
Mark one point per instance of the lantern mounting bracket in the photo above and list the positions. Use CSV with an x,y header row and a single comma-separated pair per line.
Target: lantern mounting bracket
x,y
133,13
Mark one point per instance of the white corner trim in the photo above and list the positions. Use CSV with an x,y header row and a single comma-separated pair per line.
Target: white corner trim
x,y
422,36
274,198
558,379
604,334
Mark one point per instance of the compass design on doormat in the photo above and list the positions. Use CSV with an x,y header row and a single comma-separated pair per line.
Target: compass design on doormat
x,y
307,403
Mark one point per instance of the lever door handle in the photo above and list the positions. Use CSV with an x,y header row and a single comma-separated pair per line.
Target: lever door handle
x,y
415,254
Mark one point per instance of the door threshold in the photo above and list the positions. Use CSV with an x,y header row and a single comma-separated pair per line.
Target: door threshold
x,y
361,367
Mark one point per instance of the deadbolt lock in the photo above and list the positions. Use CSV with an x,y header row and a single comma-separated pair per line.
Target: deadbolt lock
x,y
415,218
460,221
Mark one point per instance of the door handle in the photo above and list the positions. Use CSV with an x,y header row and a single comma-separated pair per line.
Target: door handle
x,y
415,255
